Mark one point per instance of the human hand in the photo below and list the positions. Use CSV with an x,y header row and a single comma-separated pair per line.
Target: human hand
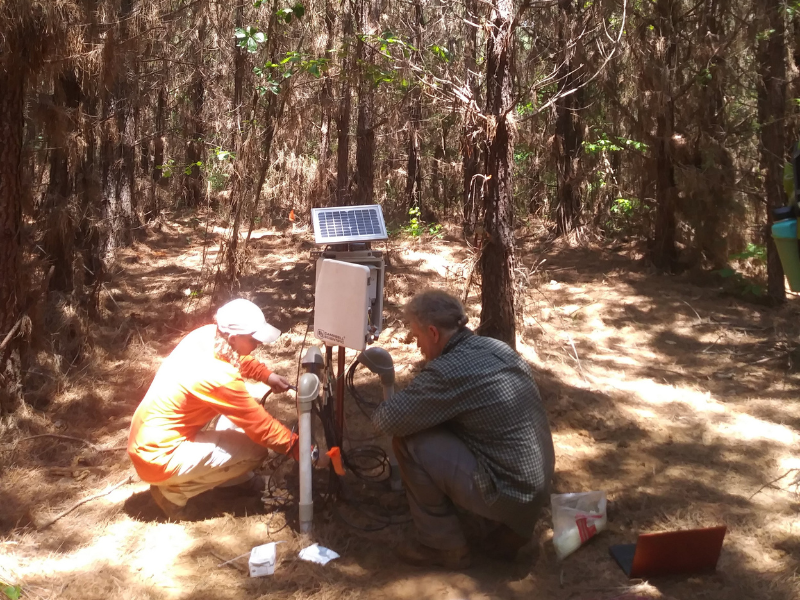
x,y
278,383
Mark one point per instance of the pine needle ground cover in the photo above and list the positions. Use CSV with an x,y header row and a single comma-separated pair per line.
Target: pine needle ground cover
x,y
679,400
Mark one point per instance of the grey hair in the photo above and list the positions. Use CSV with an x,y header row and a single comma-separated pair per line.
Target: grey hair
x,y
437,308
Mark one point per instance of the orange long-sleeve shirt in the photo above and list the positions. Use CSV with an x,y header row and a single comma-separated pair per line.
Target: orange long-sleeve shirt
x,y
191,388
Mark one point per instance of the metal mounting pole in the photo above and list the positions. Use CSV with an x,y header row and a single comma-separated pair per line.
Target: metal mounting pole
x,y
340,397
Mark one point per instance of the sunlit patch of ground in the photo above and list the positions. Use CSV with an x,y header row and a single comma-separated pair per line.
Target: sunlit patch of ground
x,y
677,400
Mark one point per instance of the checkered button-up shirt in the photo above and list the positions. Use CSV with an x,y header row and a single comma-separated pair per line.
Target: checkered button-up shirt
x,y
484,393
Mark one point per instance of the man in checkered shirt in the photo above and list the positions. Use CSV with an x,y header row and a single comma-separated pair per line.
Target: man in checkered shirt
x,y
470,434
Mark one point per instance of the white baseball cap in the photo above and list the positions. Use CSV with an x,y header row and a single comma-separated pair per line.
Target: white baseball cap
x,y
242,317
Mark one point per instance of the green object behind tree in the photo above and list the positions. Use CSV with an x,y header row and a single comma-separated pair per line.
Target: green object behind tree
x,y
785,235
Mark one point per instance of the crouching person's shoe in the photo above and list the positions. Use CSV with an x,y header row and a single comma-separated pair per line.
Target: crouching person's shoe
x,y
504,544
173,511
418,554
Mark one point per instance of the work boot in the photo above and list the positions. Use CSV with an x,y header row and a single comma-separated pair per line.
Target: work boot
x,y
504,543
255,486
173,511
415,553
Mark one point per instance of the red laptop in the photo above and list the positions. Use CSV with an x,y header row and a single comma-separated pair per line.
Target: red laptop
x,y
670,552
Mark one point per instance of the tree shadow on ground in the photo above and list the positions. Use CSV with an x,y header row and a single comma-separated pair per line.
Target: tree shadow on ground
x,y
208,505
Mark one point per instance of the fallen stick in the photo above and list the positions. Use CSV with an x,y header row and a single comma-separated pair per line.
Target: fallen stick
x,y
774,481
58,436
232,564
11,333
227,562
47,524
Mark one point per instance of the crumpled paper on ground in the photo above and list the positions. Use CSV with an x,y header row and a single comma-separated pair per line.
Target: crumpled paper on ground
x,y
318,554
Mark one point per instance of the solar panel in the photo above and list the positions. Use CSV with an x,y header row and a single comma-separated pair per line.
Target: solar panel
x,y
339,224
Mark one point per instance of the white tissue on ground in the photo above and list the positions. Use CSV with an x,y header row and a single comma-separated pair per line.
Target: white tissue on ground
x,y
318,554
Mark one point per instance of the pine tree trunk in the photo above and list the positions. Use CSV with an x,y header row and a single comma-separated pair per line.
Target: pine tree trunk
x,y
497,259
771,114
192,182
365,133
343,116
152,210
12,93
665,251
569,135
321,197
58,240
414,164
713,158
470,150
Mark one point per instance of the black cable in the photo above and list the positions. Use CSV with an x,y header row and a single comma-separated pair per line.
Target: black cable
x,y
369,464
365,406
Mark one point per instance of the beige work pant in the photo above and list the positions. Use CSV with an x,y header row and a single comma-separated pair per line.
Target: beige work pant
x,y
217,457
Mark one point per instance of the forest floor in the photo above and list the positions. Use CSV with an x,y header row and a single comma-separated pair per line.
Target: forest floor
x,y
676,398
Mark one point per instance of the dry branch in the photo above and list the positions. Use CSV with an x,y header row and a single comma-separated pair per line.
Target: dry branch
x,y
64,513
58,436
11,333
771,483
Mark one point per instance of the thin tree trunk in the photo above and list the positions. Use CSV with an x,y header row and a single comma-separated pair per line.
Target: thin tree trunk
x,y
569,134
343,116
58,240
712,157
470,150
665,251
414,165
12,97
152,210
771,114
321,198
192,182
238,68
365,134
497,259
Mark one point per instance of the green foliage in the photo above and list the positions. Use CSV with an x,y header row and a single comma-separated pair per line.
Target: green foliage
x,y
754,251
249,38
187,170
167,168
764,35
755,254
385,41
12,592
605,144
273,74
442,53
792,8
741,284
705,77
417,227
223,155
525,109
521,154
625,214
294,12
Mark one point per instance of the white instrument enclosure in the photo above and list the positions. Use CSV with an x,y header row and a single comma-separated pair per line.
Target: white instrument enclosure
x,y
342,304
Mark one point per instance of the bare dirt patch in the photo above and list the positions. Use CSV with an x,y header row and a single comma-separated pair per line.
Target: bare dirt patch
x,y
678,400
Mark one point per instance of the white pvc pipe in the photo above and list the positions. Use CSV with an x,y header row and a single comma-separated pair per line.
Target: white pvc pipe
x,y
307,391
306,499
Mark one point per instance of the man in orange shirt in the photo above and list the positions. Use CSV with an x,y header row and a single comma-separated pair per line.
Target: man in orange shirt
x,y
171,444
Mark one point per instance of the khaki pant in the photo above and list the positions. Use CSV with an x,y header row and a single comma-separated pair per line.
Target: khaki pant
x,y
438,473
217,457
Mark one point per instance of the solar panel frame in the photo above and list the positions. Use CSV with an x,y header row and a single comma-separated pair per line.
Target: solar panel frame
x,y
341,224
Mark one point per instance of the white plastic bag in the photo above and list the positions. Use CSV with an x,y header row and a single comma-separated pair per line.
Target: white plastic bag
x,y
262,560
576,519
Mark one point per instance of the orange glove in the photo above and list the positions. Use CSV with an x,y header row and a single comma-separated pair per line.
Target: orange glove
x,y
335,455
